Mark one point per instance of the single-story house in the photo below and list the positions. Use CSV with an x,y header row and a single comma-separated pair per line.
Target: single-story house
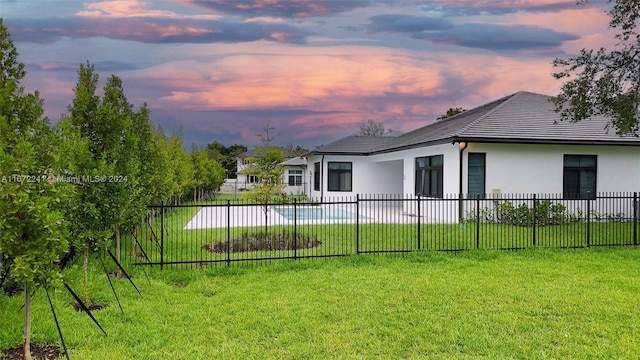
x,y
513,145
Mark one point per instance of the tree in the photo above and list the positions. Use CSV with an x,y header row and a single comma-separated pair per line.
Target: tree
x,y
33,230
451,112
208,173
291,150
266,167
371,128
602,82
226,156
268,135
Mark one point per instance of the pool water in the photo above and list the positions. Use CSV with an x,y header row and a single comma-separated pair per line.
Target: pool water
x,y
315,213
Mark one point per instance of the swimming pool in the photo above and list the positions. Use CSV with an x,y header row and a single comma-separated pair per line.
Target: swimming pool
x,y
315,213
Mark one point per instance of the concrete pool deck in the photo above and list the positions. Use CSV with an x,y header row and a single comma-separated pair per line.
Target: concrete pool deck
x,y
211,217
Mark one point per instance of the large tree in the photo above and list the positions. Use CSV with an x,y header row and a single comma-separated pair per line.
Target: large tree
x,y
605,82
32,228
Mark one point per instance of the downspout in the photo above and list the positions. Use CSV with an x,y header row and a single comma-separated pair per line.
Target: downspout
x,y
322,179
463,147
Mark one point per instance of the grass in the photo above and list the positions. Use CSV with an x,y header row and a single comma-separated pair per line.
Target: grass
x,y
480,304
339,239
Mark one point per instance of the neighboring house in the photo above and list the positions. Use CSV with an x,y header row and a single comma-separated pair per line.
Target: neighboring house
x,y
295,176
295,179
513,145
244,181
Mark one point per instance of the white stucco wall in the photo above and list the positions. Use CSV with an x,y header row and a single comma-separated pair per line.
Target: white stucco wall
x,y
527,169
390,173
510,168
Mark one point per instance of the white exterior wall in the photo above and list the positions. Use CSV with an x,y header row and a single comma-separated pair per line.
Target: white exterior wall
x,y
528,169
510,168
295,189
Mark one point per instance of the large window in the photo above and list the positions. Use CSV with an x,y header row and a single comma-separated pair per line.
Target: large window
x,y
579,180
339,176
476,175
316,176
429,175
295,177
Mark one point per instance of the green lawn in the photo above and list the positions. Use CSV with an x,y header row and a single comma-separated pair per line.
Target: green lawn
x,y
531,304
339,239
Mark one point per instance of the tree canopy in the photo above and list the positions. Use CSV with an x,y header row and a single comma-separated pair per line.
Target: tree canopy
x,y
451,112
605,82
32,224
371,128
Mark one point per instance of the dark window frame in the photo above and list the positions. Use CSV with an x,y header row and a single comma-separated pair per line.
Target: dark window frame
x,y
331,173
316,176
474,194
295,177
579,173
430,172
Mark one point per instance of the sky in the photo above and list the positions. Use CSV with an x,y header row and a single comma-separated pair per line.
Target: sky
x,y
221,70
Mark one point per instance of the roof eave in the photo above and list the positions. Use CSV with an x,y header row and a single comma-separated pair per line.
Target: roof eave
x,y
545,141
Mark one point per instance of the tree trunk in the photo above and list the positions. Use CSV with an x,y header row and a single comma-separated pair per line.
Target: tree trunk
x,y
118,271
26,345
85,271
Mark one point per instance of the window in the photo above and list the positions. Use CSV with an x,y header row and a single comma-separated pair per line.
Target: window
x,y
476,175
339,176
252,179
316,176
295,177
579,180
429,175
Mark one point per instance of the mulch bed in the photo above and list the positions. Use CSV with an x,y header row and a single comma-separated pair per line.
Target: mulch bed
x,y
40,352
258,242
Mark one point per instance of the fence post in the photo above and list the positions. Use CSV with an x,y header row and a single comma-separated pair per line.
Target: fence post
x,y
477,221
161,234
228,232
535,218
295,229
636,215
419,216
357,223
588,219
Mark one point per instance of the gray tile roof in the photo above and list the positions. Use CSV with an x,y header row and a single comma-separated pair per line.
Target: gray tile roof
x,y
522,117
354,144
295,161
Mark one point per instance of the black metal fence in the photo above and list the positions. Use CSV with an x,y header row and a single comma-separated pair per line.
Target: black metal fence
x,y
236,232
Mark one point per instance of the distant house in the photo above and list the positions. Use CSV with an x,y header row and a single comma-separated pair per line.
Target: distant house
x,y
244,181
295,176
516,144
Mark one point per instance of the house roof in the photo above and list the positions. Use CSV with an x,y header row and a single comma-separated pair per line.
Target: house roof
x,y
354,144
523,117
295,161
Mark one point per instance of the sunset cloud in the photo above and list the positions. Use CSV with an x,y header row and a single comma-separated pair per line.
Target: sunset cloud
x,y
154,30
220,69
279,8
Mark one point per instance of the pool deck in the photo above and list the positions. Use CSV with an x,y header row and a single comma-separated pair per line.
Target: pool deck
x,y
210,217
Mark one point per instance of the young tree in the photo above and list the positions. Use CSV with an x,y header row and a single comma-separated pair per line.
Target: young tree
x,y
31,217
371,128
603,82
266,167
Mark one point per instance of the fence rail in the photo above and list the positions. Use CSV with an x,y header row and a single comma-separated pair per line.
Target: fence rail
x,y
236,232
